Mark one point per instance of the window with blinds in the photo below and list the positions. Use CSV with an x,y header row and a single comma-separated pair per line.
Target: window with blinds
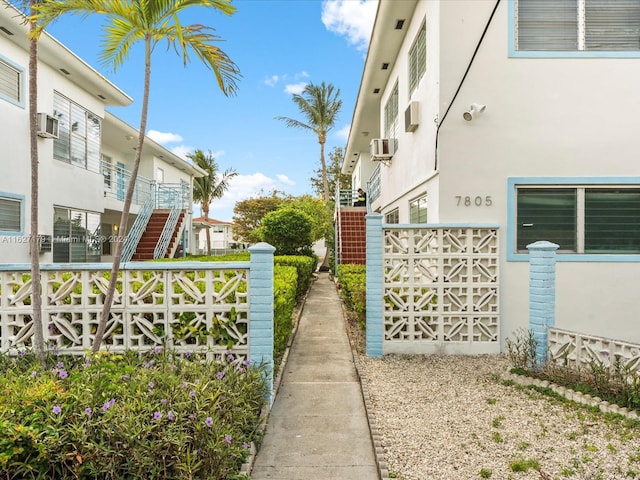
x,y
391,121
76,236
583,219
577,25
10,82
393,216
78,139
10,215
418,210
418,58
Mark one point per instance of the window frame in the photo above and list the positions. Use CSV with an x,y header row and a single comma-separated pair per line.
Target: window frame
x,y
20,200
79,238
74,141
564,182
515,53
418,199
392,116
392,217
417,64
20,73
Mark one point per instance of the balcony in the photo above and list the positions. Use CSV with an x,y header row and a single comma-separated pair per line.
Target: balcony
x,y
115,182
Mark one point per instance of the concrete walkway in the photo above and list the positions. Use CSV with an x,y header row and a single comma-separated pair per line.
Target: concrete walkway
x,y
318,429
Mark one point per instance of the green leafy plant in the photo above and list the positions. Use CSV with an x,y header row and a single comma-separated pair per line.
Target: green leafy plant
x,y
522,350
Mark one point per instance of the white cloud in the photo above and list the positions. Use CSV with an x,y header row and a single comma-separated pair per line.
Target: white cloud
x,y
352,19
182,151
272,80
164,137
242,187
284,179
295,88
343,133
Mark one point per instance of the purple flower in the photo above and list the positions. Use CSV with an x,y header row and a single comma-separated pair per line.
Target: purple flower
x,y
192,393
227,438
63,373
157,416
170,415
209,421
87,411
56,409
157,350
33,374
245,445
163,401
247,363
60,365
150,384
22,353
108,405
220,375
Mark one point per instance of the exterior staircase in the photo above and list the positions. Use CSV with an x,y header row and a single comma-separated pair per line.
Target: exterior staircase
x,y
152,233
352,236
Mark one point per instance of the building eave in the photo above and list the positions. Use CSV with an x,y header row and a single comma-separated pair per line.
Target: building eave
x,y
385,43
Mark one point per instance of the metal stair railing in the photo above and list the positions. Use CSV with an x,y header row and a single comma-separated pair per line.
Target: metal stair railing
x,y
167,232
137,229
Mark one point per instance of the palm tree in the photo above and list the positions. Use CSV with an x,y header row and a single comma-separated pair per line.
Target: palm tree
x,y
34,243
210,187
149,22
320,106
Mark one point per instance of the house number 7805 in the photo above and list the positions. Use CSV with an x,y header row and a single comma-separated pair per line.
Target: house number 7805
x,y
477,201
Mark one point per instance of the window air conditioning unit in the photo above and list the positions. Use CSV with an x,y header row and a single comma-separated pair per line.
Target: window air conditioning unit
x,y
381,148
411,117
47,126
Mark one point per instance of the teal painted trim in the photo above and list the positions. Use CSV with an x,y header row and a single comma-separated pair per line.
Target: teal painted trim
x,y
23,81
374,286
513,182
513,53
4,267
438,225
23,208
542,294
261,310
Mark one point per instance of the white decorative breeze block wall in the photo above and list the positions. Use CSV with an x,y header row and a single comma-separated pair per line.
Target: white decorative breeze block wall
x,y
441,289
192,308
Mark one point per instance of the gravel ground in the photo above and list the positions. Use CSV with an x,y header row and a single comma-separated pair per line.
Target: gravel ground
x,y
452,418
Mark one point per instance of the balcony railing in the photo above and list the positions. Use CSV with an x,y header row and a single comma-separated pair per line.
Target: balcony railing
x,y
116,180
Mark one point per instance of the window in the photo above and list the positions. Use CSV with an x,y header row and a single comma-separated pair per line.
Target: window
x,y
79,134
418,58
76,236
160,175
577,25
10,214
418,210
107,168
11,82
580,219
391,115
393,216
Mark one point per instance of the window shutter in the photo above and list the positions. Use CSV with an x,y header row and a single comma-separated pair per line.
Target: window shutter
x,y
10,215
547,214
612,25
9,82
612,220
547,25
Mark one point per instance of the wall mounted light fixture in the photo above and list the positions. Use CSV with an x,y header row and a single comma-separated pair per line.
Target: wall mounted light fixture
x,y
474,110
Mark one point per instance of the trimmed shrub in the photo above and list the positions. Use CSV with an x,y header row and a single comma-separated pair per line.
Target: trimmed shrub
x,y
127,417
352,281
305,267
289,230
284,302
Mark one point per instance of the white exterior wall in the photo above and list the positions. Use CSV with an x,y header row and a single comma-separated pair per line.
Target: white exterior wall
x,y
60,183
545,117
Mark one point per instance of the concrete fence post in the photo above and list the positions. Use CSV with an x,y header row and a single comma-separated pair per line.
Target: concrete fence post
x,y
542,294
374,286
261,309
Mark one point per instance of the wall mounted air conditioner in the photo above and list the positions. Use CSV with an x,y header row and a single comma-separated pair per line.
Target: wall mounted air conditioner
x,y
411,117
381,148
47,126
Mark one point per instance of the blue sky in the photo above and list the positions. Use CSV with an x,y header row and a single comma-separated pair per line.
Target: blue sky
x,y
279,47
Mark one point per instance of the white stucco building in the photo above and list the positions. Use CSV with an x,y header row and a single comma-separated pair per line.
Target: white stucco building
x,y
220,234
521,114
84,163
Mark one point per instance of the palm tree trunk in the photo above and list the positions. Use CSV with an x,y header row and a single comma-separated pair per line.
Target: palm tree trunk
x,y
208,231
124,218
326,196
34,243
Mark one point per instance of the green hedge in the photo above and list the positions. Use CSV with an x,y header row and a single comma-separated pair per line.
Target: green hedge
x,y
305,267
352,281
285,280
